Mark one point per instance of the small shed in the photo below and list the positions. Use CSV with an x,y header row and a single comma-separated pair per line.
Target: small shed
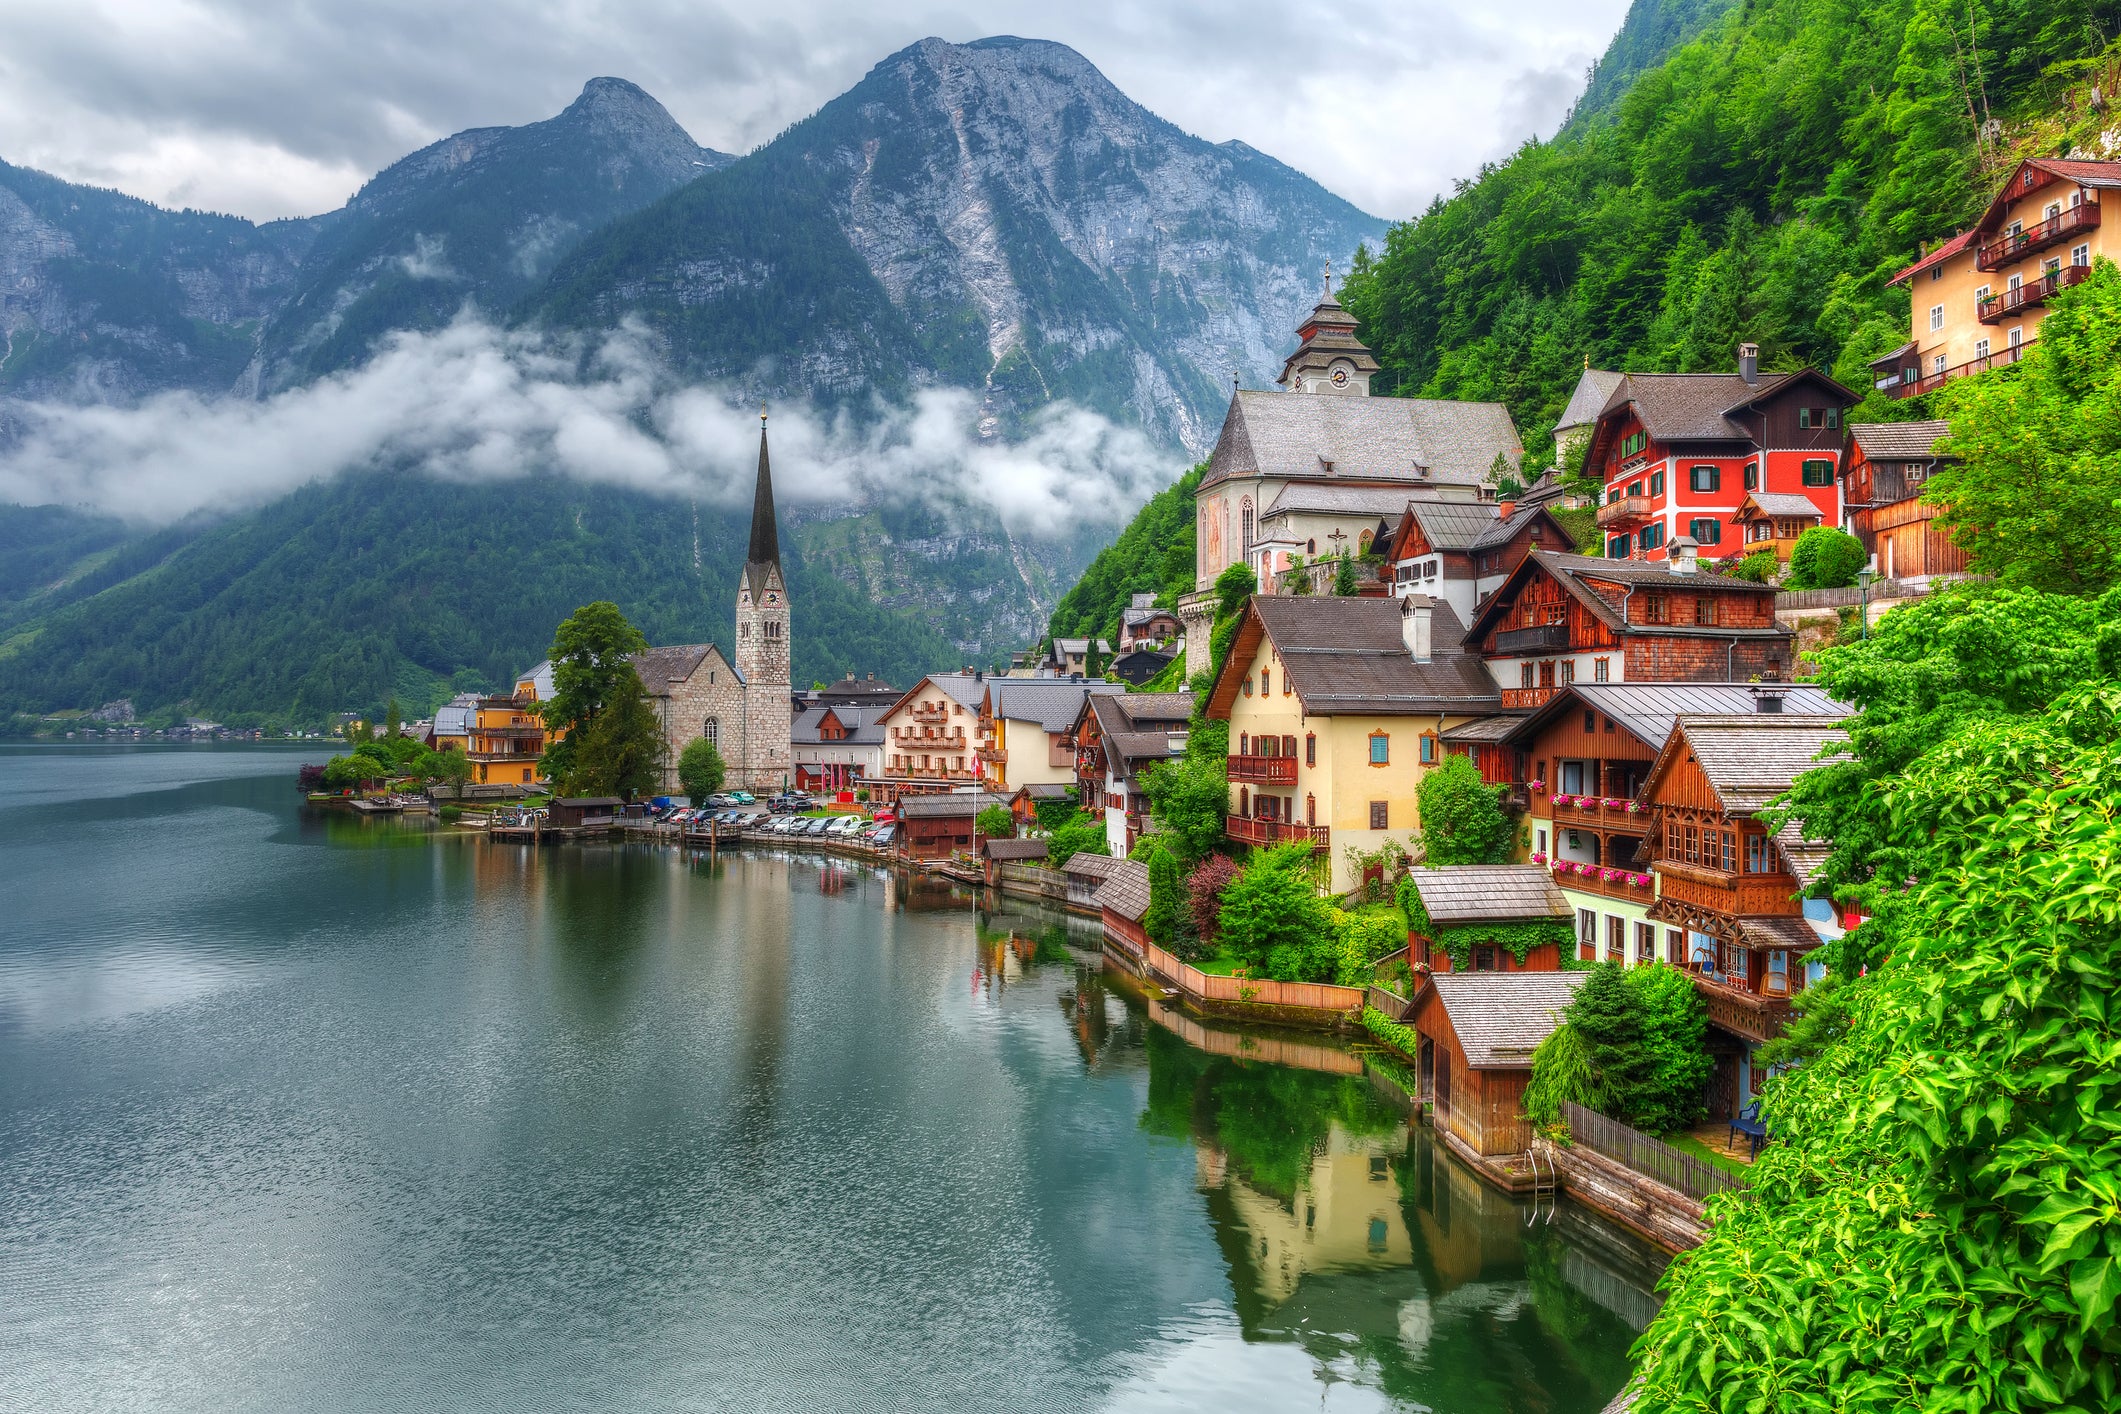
x,y
938,826
1086,875
584,812
1123,900
1478,1031
996,853
1024,804
1461,897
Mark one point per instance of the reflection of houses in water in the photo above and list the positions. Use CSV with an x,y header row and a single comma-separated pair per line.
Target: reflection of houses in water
x,y
1345,1217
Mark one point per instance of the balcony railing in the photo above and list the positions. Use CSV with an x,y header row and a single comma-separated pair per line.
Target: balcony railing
x,y
1993,309
994,755
1591,879
1254,831
1599,812
2054,229
1264,770
1733,895
1742,1012
1623,509
1539,638
1525,697
1913,382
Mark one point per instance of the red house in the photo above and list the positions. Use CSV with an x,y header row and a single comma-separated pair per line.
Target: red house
x,y
1678,453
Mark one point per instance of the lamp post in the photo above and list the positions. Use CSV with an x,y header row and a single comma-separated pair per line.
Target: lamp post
x,y
1864,577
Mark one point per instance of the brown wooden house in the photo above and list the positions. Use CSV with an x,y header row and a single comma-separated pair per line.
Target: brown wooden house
x,y
1889,465
1564,619
1460,551
1466,896
1729,883
938,826
1478,1031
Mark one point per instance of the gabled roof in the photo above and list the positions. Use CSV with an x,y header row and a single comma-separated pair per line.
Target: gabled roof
x,y
1349,657
864,725
1648,710
948,805
1747,760
1501,1017
2060,169
540,679
1143,746
1768,504
1593,390
1488,893
1051,702
1126,889
1899,441
1410,440
1578,575
1698,407
965,689
1015,849
1943,252
660,667
1449,525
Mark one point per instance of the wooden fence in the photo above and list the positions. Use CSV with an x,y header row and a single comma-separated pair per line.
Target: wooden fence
x,y
1844,598
1208,986
1678,1171
1239,1045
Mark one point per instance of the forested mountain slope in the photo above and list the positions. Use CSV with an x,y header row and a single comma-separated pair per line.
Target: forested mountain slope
x,y
1652,29
1761,183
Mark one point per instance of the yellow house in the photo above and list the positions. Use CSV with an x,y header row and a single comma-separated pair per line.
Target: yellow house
x,y
1978,298
1336,710
1027,729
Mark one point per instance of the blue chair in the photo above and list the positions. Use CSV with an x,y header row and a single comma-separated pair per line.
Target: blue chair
x,y
1748,1123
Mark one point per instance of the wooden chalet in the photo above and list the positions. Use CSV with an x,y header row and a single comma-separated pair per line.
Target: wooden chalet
x,y
940,825
1889,465
1563,619
1773,520
1460,552
1478,1031
1117,738
1731,884
1466,896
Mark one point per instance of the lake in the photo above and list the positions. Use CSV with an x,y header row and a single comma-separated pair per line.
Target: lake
x,y
305,1111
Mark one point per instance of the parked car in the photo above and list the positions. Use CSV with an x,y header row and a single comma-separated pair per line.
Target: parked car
x,y
743,797
884,835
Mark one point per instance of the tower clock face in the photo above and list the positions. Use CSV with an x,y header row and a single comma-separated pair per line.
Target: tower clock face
x,y
1340,377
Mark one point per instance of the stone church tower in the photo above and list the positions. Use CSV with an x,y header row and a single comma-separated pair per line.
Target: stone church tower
x,y
762,630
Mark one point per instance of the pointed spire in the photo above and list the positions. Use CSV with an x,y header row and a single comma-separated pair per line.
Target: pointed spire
x,y
765,535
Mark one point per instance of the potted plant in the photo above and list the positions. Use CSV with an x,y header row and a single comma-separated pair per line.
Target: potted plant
x,y
1537,787
1539,858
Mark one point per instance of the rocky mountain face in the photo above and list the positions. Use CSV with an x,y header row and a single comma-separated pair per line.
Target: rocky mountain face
x,y
994,216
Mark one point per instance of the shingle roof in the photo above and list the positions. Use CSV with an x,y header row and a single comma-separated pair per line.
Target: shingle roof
x,y
1750,760
1488,893
1690,407
1365,439
1804,857
1496,728
1144,746
1781,503
1126,889
1350,656
948,805
1778,931
1015,849
1899,441
1366,501
1044,790
659,667
1085,864
1051,702
1574,573
1501,1017
1593,390
1649,709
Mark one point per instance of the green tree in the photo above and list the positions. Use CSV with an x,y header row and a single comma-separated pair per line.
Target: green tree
x,y
1189,798
1083,833
1344,584
454,768
1607,1016
1272,916
1825,557
1233,586
393,721
701,769
590,670
1462,819
1093,661
621,752
1169,919
2032,494
1675,1044
996,822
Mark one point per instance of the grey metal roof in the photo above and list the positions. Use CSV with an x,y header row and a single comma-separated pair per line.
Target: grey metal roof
x,y
540,678
1015,849
1648,709
965,689
1782,503
1899,441
1380,501
1052,703
1501,1017
1750,760
1488,893
455,717
1593,390
1126,889
947,806
1365,439
1349,656
1452,525
864,725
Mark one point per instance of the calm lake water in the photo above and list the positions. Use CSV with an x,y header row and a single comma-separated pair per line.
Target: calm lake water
x,y
300,1111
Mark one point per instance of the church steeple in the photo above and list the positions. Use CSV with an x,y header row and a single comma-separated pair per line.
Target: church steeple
x,y
1329,358
765,535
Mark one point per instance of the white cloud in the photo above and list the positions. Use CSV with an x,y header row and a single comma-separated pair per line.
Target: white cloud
x,y
475,403
269,109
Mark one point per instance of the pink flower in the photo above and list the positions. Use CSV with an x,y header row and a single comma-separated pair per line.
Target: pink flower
x,y
1539,859
1538,785
1642,881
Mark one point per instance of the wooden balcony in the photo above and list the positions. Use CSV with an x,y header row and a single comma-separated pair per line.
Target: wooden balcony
x,y
1782,545
1594,813
1525,697
1539,638
1741,1012
1999,307
2053,231
1264,770
1624,888
1245,831
993,755
1732,895
1913,383
1625,510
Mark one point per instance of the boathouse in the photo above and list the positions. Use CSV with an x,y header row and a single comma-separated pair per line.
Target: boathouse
x,y
1478,1031
584,812
938,826
1483,908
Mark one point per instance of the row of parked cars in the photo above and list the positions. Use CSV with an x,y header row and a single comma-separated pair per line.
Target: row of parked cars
x,y
851,829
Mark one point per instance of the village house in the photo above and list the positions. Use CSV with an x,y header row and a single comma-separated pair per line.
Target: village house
x,y
1478,1032
1142,623
1118,737
837,747
1324,462
1070,657
1138,666
1461,553
451,728
1773,521
1889,465
1024,725
1336,709
931,737
1678,453
506,741
1562,619
1577,766
1734,886
938,826
1464,899
1977,300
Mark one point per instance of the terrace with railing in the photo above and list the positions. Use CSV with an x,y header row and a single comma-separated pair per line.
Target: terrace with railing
x,y
2016,245
1264,770
1993,309
1261,831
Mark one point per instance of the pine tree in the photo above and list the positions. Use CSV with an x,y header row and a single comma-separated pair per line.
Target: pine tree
x,y
1608,1016
621,751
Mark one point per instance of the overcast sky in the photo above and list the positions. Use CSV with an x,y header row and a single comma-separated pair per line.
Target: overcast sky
x,y
273,108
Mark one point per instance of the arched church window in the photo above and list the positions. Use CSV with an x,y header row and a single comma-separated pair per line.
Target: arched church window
x,y
1247,522
743,630
711,729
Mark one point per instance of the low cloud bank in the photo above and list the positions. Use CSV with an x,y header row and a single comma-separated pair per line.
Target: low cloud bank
x,y
475,403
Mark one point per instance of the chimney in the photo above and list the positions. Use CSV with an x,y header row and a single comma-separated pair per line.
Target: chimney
x,y
1767,698
1414,622
1684,557
1749,362
1506,509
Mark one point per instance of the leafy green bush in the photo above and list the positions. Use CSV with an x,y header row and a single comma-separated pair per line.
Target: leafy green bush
x,y
1365,936
1081,833
1402,1038
1562,1073
1756,568
1169,921
1675,1042
1825,557
1273,918
1188,799
1462,819
996,822
701,770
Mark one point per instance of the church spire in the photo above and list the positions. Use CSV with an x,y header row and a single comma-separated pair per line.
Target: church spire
x,y
765,535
